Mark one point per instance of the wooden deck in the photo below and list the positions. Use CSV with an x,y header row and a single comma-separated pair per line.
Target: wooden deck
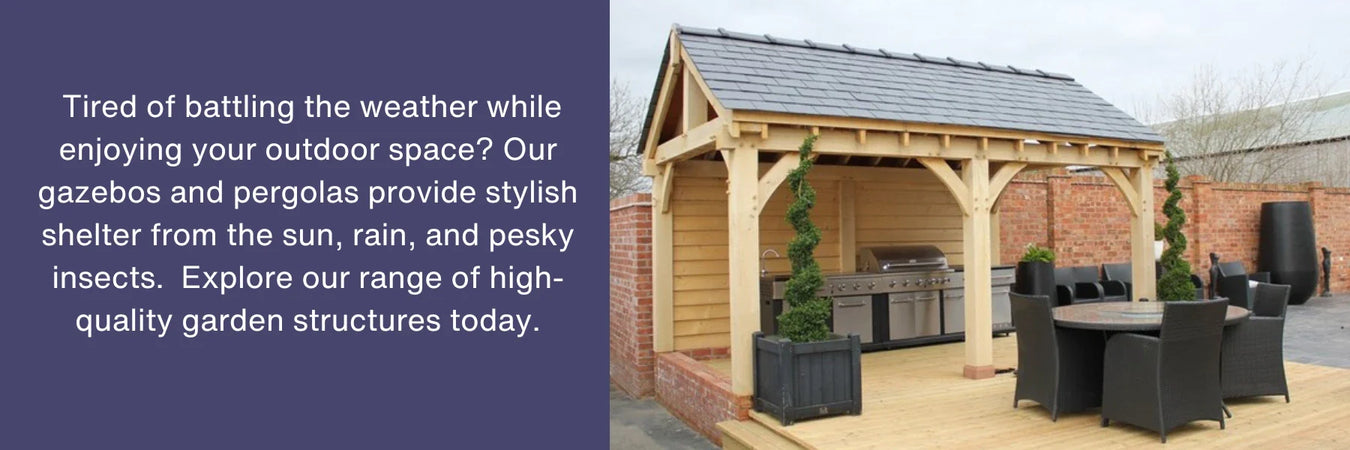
x,y
917,398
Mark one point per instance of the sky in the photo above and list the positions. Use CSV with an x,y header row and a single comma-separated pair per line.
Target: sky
x,y
1129,52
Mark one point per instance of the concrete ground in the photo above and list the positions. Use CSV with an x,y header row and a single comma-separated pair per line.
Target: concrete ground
x,y
645,424
1314,333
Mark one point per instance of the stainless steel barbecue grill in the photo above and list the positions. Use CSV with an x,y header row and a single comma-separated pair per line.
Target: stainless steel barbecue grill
x,y
896,298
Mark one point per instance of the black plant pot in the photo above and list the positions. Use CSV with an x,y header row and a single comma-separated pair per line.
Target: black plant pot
x,y
1288,248
1035,278
795,381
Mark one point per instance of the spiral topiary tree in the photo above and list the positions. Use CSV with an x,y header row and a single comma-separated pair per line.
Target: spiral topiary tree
x,y
807,321
1175,283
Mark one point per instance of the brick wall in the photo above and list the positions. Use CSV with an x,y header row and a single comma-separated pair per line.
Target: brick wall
x,y
697,394
1091,221
631,359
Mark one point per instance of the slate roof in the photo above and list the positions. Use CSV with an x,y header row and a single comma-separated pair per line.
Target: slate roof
x,y
773,74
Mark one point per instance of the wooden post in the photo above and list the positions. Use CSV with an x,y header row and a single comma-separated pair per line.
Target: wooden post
x,y
743,262
663,261
1141,234
978,284
848,241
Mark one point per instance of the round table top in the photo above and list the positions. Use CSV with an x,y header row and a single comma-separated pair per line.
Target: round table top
x,y
1125,316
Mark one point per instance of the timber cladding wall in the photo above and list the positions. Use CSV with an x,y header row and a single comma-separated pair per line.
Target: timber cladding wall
x,y
916,210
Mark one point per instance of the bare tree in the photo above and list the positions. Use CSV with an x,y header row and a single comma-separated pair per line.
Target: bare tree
x,y
1237,129
626,115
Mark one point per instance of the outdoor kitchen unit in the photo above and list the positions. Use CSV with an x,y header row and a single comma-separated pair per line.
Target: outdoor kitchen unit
x,y
902,295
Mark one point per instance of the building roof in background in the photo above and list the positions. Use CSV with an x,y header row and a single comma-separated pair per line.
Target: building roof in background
x,y
773,74
1330,118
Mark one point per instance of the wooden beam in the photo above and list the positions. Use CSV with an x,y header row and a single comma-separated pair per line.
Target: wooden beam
x,y
1083,148
976,254
862,137
743,264
848,241
769,182
1019,145
663,262
984,143
1051,147
1141,235
845,142
904,139
665,95
692,143
1001,179
666,184
1123,183
954,184
875,125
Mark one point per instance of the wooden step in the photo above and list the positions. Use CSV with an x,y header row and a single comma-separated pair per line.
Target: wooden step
x,y
745,435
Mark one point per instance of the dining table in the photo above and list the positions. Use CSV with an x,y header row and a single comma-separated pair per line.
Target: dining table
x,y
1083,330
1126,316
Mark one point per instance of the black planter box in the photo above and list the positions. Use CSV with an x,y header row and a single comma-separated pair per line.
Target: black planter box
x,y
795,381
1035,278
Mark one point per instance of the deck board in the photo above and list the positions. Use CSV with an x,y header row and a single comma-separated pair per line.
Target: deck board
x,y
917,398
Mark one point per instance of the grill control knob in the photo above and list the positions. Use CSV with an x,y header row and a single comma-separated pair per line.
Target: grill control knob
x,y
857,286
872,285
906,283
892,283
947,280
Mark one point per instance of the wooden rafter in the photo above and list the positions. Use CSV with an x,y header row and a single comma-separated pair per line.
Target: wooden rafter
x,y
665,96
873,125
845,142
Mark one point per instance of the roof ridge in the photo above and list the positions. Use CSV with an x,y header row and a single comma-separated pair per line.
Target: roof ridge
x,y
879,52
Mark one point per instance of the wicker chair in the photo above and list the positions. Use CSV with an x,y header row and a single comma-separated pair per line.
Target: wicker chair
x,y
1124,273
1059,368
1160,383
1231,280
1082,284
1253,351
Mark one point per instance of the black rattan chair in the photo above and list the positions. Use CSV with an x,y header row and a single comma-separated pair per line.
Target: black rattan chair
x,y
1059,368
1253,351
1160,383
1231,280
1081,284
1124,273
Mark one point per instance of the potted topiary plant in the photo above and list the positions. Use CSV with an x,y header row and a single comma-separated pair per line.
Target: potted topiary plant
x,y
1175,283
805,371
1035,273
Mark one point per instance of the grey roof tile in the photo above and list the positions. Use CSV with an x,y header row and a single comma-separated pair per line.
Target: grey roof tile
x,y
770,73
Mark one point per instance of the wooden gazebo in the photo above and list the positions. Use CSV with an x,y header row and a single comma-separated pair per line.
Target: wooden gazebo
x,y
911,149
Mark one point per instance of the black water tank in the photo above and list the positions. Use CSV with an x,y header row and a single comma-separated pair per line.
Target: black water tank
x,y
1289,248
